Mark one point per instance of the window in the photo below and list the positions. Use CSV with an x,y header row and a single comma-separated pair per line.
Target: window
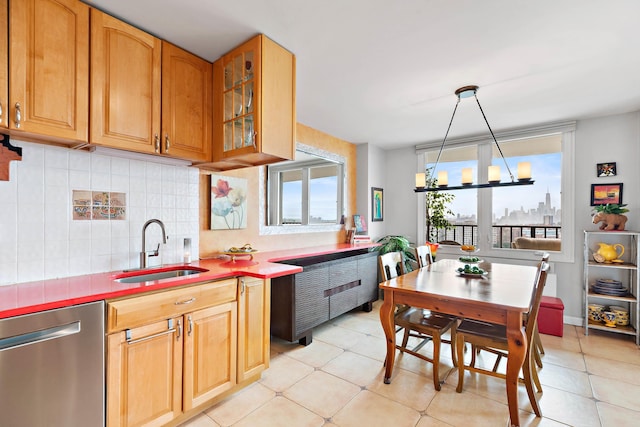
x,y
494,218
306,192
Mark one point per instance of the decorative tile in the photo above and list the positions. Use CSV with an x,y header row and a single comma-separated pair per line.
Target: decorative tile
x,y
99,205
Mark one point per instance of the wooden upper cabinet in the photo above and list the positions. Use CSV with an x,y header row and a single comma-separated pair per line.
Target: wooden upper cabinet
x,y
254,105
4,63
186,104
49,68
125,85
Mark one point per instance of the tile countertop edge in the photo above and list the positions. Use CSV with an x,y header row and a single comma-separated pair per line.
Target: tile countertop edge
x,y
32,297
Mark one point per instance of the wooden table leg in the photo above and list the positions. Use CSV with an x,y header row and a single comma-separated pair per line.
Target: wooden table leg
x,y
386,318
517,342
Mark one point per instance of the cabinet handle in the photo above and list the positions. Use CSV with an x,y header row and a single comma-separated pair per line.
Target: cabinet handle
x,y
167,143
18,115
242,286
190,326
179,330
187,301
157,143
0,112
159,334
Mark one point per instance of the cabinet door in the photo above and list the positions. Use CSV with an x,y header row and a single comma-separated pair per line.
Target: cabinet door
x,y
311,299
237,83
209,353
4,64
253,327
368,275
49,68
125,85
186,104
144,374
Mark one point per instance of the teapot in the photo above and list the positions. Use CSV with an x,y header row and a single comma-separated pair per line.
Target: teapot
x,y
610,252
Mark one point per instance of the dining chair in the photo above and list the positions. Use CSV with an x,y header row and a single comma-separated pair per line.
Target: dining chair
x,y
493,338
423,324
536,341
423,255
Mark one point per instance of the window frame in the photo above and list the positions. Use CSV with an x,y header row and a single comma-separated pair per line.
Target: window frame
x,y
484,209
275,191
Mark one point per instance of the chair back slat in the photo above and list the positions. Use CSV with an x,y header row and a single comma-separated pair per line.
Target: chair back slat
x,y
391,265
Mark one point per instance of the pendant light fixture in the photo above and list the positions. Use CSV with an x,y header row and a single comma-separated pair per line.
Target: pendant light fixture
x,y
524,168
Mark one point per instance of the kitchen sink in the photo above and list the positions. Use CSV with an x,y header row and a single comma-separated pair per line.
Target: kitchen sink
x,y
157,274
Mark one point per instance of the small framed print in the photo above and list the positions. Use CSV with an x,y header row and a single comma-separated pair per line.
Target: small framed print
x,y
602,194
377,204
606,169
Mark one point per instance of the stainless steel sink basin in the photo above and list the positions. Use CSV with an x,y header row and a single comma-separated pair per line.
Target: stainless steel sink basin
x,y
158,274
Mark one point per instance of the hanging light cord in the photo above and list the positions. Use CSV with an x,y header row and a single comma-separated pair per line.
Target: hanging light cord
x,y
488,126
445,137
492,135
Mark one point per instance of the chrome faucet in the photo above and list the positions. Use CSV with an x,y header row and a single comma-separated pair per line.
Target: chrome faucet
x,y
144,255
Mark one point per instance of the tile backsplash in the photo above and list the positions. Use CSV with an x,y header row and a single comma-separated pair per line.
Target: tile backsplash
x,y
39,238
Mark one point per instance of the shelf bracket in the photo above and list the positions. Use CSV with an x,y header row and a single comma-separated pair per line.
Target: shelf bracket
x,y
7,153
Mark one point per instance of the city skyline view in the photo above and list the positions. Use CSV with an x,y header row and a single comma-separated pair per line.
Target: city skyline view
x,y
546,172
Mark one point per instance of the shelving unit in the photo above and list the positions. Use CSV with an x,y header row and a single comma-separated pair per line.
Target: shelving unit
x,y
626,272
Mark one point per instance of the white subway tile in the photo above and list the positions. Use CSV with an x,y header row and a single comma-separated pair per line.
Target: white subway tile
x,y
120,166
56,157
30,269
79,180
100,164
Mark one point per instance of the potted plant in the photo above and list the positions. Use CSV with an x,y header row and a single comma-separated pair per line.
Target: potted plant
x,y
397,244
437,210
610,216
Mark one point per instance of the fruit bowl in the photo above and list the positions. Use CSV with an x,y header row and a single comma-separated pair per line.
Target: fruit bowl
x,y
471,271
469,249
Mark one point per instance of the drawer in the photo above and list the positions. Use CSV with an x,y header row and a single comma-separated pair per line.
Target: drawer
x,y
132,312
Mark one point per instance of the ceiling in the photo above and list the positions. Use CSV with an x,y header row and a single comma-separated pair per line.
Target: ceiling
x,y
384,72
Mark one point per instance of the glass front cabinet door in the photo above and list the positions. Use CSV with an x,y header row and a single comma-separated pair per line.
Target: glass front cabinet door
x,y
239,98
254,105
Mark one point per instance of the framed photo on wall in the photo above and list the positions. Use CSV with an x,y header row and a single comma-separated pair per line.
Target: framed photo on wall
x,y
377,204
601,194
606,169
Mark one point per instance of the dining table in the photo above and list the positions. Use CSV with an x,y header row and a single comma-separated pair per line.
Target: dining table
x,y
500,295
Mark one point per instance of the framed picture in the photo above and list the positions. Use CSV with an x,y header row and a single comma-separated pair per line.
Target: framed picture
x,y
601,194
228,203
606,169
377,205
360,224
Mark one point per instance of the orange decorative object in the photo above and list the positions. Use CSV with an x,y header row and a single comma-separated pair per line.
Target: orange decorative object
x,y
7,153
434,248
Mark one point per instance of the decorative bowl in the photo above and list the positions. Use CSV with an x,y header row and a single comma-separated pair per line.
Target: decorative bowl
x,y
622,315
609,319
596,312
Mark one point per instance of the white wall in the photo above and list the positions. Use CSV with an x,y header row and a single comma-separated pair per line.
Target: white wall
x,y
38,238
606,139
372,172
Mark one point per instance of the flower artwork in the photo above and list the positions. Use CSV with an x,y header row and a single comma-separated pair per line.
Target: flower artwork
x,y
228,203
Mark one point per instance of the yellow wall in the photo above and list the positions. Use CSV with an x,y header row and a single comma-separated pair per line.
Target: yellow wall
x,y
213,241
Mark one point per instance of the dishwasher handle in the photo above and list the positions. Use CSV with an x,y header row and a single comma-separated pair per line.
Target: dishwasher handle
x,y
35,337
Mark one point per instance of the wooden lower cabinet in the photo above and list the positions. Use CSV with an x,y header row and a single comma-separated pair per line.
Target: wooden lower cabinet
x,y
167,366
209,354
144,374
254,337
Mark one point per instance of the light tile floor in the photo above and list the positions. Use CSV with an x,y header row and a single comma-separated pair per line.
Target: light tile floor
x,y
337,381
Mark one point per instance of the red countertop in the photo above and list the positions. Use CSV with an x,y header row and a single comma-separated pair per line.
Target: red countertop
x,y
31,297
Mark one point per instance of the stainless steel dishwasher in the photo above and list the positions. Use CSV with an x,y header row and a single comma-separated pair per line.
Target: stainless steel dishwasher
x,y
52,368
